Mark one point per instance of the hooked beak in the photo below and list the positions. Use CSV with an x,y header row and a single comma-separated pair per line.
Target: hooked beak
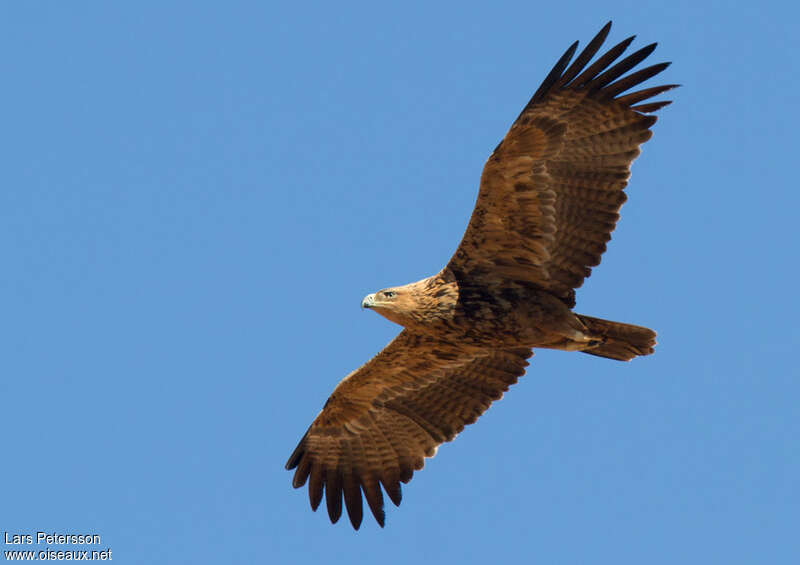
x,y
368,301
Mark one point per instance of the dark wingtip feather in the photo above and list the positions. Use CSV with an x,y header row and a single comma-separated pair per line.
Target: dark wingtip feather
x,y
644,94
406,474
554,74
315,485
586,55
301,474
372,492
606,59
632,80
297,454
295,457
352,500
393,490
651,107
622,67
333,495
602,77
647,122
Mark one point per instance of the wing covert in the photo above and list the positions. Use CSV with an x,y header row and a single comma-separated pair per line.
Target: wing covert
x,y
385,418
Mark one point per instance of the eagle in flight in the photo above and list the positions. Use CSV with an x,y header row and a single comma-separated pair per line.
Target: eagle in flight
x,y
549,199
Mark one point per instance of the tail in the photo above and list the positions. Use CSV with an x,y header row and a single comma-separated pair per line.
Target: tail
x,y
619,341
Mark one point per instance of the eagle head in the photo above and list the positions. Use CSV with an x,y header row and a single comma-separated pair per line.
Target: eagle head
x,y
399,304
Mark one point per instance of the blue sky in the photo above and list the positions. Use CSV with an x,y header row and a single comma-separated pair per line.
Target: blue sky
x,y
196,198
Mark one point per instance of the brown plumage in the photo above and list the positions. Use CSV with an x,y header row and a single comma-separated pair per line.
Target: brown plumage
x,y
549,199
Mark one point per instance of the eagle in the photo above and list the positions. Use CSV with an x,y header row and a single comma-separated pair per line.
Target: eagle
x,y
549,198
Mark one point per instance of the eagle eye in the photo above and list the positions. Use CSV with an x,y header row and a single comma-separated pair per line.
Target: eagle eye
x,y
389,294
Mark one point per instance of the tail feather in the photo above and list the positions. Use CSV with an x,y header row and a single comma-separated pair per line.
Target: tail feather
x,y
617,340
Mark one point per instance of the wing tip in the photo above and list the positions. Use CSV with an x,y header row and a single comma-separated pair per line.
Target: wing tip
x,y
346,491
599,78
554,75
651,107
292,462
297,454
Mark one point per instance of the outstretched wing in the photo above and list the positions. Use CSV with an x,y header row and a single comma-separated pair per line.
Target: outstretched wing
x,y
551,191
383,419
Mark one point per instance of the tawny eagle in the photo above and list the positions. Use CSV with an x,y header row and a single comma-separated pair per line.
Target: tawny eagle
x,y
549,199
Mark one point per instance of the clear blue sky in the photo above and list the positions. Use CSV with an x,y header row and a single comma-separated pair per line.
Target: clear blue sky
x,y
196,197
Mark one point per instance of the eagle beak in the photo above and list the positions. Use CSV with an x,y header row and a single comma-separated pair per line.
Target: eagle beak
x,y
368,301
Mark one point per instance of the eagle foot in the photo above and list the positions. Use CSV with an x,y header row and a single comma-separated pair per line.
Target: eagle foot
x,y
596,342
